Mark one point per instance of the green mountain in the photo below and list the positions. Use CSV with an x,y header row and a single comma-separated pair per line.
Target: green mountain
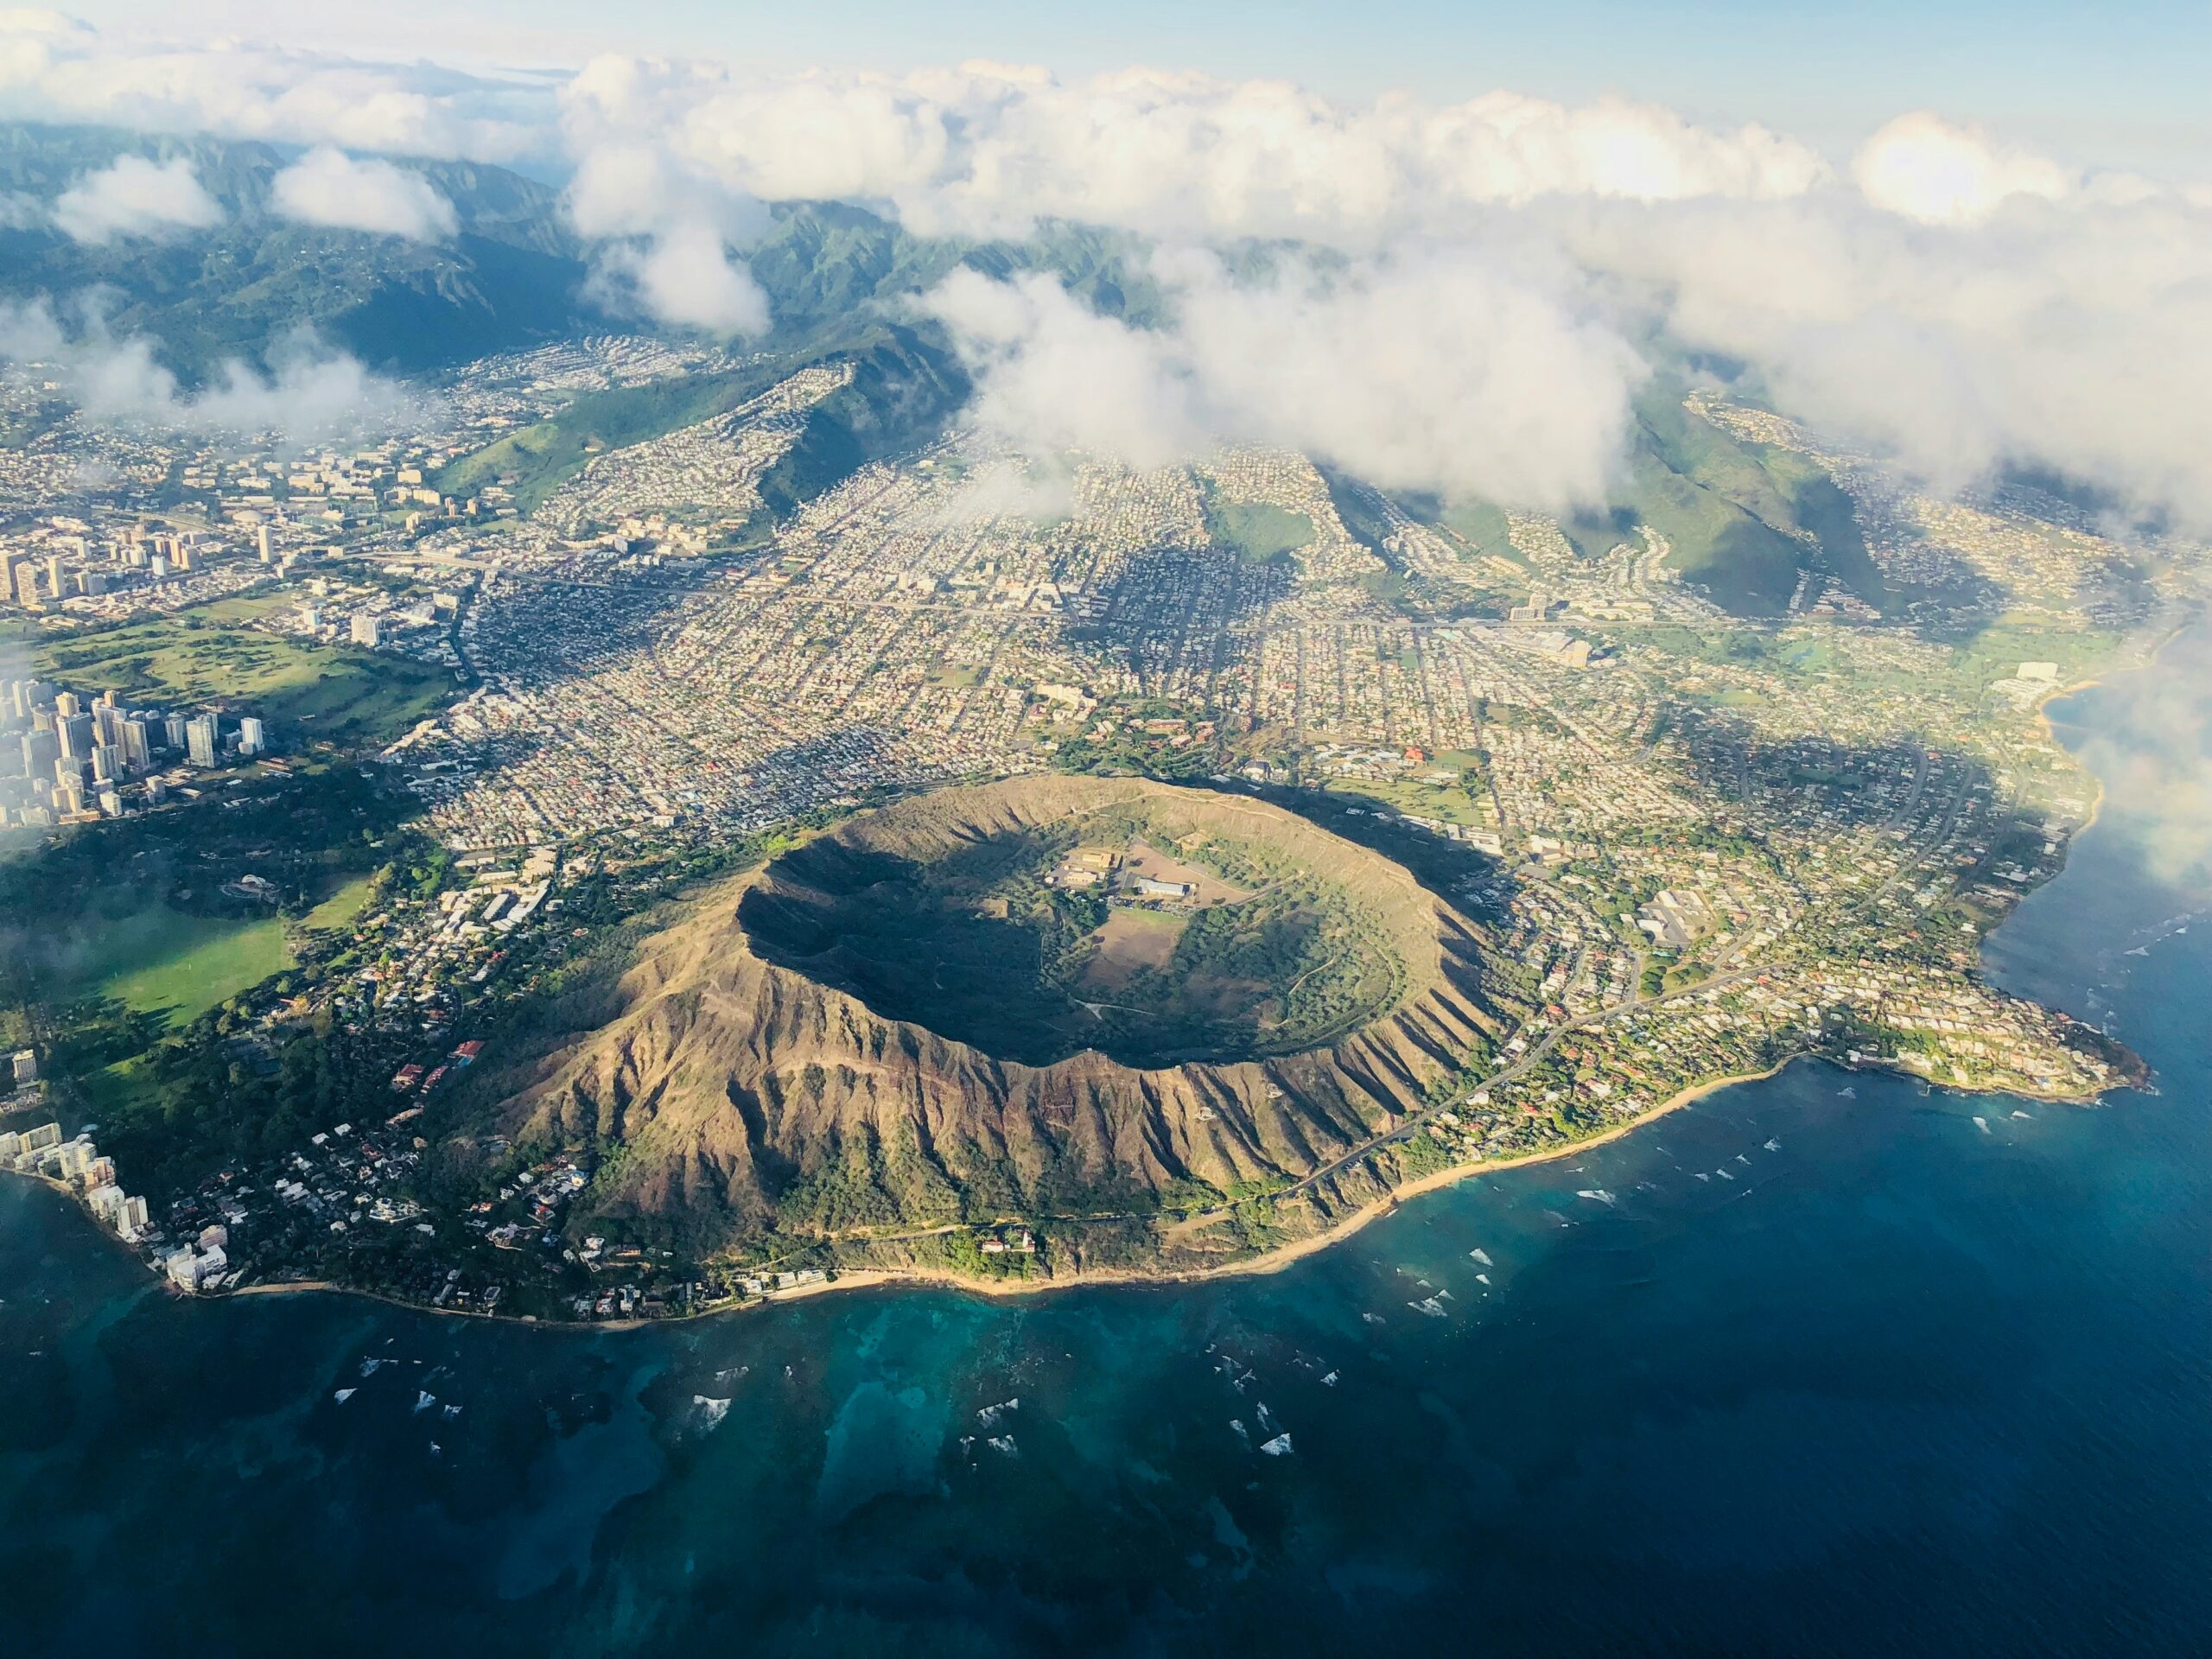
x,y
907,385
1746,520
823,262
513,277
841,282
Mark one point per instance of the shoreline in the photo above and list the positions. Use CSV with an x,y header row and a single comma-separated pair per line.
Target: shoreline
x,y
2075,688
1266,1263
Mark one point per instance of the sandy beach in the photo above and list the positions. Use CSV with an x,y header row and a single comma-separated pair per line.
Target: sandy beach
x,y
1269,1262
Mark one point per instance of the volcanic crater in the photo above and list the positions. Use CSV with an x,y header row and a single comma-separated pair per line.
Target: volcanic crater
x,y
1048,995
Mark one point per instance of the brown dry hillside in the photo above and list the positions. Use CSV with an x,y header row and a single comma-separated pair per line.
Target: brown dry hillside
x,y
749,1095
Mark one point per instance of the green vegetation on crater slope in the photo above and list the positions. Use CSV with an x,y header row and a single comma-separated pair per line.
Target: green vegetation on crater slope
x,y
991,941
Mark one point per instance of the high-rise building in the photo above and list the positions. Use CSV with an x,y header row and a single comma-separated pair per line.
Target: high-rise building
x,y
77,735
138,742
41,751
54,575
173,730
199,738
107,763
67,703
265,545
368,631
252,739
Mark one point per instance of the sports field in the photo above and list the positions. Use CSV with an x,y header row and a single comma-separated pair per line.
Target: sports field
x,y
159,960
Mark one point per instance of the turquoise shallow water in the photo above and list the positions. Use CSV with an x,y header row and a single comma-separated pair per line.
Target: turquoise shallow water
x,y
1884,1381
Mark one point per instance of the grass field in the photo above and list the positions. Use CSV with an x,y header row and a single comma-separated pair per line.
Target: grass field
x,y
342,906
304,690
247,607
1997,650
159,960
1132,939
119,1090
1447,802
1258,531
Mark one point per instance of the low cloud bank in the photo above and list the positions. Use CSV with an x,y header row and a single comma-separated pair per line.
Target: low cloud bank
x,y
135,197
667,234
55,68
1945,294
2151,745
1438,373
308,392
329,188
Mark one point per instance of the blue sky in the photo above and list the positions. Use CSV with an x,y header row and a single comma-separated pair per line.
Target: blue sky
x,y
2106,84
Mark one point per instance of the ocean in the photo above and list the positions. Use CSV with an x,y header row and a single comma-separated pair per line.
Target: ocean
x,y
1822,1364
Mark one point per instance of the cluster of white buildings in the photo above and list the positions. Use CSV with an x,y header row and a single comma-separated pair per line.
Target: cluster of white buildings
x,y
79,1165
68,758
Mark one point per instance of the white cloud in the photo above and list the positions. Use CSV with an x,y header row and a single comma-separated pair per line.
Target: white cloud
x,y
1960,299
1442,371
327,186
1927,169
307,391
671,231
1445,371
53,69
2072,335
30,333
135,197
989,149
1051,374
684,275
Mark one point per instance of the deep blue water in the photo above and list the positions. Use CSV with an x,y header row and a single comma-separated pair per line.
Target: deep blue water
x,y
1904,1385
